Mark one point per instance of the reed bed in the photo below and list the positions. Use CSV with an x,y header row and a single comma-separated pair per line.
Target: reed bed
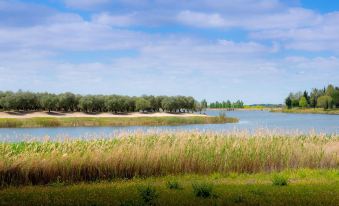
x,y
111,121
157,154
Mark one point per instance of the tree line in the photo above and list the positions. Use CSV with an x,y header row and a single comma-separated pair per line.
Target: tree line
x,y
69,102
327,98
226,104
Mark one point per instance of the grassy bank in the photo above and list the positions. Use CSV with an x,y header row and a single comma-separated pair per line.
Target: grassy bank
x,y
304,187
110,121
307,110
160,154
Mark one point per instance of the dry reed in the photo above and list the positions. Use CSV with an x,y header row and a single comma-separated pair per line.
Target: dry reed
x,y
154,154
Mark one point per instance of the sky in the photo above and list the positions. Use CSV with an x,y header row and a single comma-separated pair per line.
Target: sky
x,y
254,50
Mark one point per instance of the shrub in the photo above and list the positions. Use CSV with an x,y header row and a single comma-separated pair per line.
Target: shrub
x,y
148,194
203,190
280,180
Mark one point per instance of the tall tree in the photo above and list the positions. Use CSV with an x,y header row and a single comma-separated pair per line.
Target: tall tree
x,y
307,97
49,102
288,102
303,102
325,102
142,104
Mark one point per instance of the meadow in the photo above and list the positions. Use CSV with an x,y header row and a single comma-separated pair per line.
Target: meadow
x,y
304,187
111,121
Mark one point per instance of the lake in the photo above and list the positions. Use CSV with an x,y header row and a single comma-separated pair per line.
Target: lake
x,y
249,121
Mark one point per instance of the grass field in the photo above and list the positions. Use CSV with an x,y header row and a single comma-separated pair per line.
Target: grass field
x,y
110,121
306,110
304,187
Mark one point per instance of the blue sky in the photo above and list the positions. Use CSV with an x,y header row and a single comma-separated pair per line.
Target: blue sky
x,y
254,50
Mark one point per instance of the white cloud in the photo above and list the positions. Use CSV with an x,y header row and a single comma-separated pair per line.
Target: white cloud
x,y
86,4
76,35
202,20
321,36
290,18
115,20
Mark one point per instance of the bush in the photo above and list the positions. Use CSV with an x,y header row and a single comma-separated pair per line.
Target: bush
x,y
280,180
148,194
202,190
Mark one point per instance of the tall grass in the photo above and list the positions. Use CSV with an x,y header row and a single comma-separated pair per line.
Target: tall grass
x,y
156,154
110,121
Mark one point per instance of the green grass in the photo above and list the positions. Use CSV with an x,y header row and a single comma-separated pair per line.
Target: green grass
x,y
307,110
307,187
173,185
110,121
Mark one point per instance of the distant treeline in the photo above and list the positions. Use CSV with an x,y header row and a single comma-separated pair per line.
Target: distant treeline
x,y
266,105
30,101
227,104
327,98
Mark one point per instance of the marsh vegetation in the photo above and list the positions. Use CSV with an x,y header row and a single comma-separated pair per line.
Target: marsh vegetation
x,y
159,154
111,121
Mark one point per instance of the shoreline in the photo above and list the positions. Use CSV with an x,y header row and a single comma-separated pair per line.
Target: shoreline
x,y
53,114
241,109
307,111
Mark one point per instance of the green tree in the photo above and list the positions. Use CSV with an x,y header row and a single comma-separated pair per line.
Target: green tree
x,y
336,97
198,106
204,104
142,104
86,103
307,97
49,102
288,102
67,101
112,103
303,102
330,90
325,102
92,103
228,104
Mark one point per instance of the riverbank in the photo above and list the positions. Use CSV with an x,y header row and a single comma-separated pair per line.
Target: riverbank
x,y
21,114
111,121
304,187
307,111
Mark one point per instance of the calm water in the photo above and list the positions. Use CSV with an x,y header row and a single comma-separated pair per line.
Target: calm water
x,y
249,120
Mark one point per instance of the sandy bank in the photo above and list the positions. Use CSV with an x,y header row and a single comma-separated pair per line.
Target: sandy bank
x,y
81,114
